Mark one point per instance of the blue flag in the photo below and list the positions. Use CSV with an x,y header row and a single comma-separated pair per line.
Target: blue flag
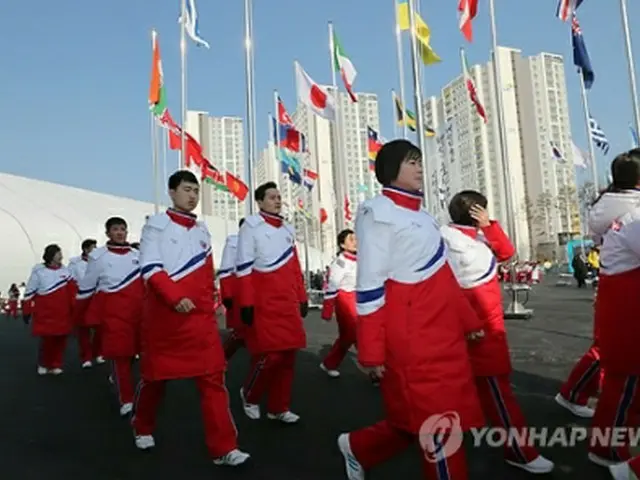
x,y
581,55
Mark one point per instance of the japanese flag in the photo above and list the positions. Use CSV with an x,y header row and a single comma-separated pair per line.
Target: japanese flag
x,y
314,96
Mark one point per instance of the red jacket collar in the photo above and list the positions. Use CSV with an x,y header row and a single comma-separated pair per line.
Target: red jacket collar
x,y
403,198
468,231
349,256
272,219
185,219
118,248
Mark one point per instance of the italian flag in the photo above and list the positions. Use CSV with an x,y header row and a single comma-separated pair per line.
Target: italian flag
x,y
344,66
471,87
157,95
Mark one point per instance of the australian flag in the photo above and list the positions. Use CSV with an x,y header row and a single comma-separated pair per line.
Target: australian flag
x,y
581,55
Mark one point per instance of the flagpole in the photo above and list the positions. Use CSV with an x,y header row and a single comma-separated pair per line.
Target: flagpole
x,y
400,56
154,160
630,62
417,90
515,308
183,82
339,161
165,175
587,123
248,45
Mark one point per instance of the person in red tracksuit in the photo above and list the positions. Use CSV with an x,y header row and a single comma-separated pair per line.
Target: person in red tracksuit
x,y
179,334
229,294
475,246
413,326
113,285
340,297
273,301
48,304
89,337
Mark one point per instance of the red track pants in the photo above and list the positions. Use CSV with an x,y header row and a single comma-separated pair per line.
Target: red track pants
x,y
380,442
346,338
501,408
12,310
89,343
122,375
618,408
51,353
271,374
219,430
585,380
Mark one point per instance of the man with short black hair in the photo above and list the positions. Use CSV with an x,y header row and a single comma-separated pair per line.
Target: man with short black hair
x,y
180,337
88,335
273,301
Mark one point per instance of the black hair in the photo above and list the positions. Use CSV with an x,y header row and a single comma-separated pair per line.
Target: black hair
x,y
50,252
241,222
625,173
342,236
390,158
113,221
88,243
261,191
461,204
182,176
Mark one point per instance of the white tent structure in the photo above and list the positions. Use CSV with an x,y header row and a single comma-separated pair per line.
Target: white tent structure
x,y
34,214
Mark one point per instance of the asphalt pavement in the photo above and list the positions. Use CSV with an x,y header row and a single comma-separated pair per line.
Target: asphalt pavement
x,y
67,427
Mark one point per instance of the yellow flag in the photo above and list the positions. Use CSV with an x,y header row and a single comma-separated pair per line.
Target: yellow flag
x,y
423,33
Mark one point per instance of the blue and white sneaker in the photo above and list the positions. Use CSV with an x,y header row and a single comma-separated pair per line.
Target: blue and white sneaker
x,y
352,466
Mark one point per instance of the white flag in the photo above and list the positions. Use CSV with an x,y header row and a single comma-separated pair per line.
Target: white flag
x,y
314,96
579,157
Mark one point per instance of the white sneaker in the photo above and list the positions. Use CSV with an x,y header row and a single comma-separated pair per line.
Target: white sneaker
x,y
351,463
145,442
539,464
284,417
87,364
232,459
126,409
100,360
42,370
621,471
56,371
250,410
581,411
331,373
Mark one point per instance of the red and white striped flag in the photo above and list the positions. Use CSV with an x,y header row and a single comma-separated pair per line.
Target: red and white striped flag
x,y
566,9
468,10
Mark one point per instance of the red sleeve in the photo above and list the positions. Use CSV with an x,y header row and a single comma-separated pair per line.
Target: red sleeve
x,y
166,288
226,287
371,338
499,242
471,322
27,306
328,306
301,290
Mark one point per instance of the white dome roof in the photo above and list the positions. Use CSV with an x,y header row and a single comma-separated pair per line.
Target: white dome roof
x,y
34,213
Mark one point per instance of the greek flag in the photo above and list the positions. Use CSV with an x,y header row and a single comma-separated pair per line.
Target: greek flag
x,y
597,135
191,24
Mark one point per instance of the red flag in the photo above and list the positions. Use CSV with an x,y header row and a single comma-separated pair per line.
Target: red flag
x,y
236,186
468,10
323,215
347,209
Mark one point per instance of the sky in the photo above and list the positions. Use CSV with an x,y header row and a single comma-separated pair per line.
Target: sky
x,y
75,74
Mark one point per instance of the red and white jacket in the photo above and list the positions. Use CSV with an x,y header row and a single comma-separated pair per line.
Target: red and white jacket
x,y
412,314
474,255
269,278
177,262
111,292
49,299
340,288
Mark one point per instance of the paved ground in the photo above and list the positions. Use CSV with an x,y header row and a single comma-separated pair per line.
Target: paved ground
x,y
66,427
